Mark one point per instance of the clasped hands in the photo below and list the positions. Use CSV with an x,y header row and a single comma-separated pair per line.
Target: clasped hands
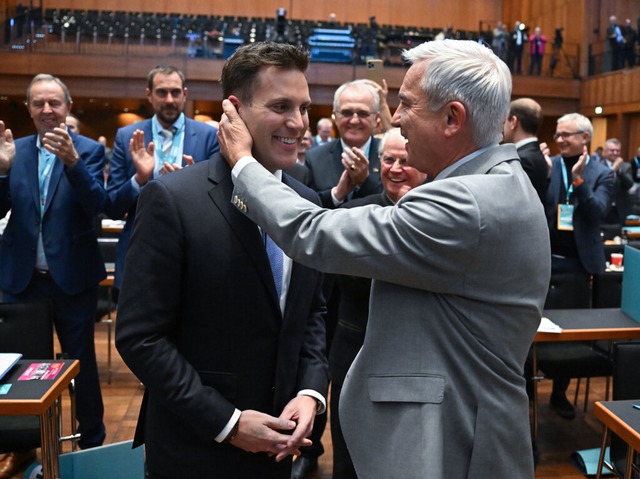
x,y
260,432
58,141
144,160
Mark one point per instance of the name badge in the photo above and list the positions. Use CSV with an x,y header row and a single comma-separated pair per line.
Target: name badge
x,y
565,217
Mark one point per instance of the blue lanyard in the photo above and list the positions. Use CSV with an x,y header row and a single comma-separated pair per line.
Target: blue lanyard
x,y
568,186
45,165
176,143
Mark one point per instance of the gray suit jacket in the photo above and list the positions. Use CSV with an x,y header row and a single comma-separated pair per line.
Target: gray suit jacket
x,y
461,267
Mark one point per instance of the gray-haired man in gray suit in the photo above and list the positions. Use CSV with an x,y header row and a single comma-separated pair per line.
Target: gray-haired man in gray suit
x,y
460,266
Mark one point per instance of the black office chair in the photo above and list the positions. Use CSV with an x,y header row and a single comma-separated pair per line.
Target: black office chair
x,y
607,290
626,385
25,328
572,359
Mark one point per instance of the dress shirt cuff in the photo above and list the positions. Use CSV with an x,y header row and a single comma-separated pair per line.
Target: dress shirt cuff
x,y
134,184
322,402
336,201
242,162
235,417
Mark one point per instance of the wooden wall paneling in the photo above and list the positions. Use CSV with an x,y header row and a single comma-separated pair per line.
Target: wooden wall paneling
x,y
634,135
599,132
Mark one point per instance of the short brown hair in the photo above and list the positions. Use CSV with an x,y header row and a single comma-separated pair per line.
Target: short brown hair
x,y
240,73
165,70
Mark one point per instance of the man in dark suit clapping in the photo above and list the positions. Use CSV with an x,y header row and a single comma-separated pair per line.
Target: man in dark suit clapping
x,y
356,108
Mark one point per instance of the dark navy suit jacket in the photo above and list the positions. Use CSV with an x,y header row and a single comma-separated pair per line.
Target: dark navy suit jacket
x,y
199,323
325,164
592,201
75,196
200,142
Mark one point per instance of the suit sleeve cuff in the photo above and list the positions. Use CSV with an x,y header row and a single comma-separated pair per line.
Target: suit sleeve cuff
x,y
322,402
227,429
242,162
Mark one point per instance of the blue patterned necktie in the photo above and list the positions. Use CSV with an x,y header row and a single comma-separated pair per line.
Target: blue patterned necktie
x,y
274,253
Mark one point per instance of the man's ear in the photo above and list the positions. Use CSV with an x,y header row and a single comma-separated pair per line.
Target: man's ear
x,y
456,117
235,101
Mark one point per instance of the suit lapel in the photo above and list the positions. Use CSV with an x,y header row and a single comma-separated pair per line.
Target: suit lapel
x,y
338,168
31,165
190,140
245,230
555,189
374,158
54,181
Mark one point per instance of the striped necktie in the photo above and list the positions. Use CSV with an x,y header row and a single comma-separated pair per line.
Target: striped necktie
x,y
167,139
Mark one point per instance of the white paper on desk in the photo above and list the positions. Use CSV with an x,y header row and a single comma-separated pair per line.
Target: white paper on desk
x,y
548,326
7,361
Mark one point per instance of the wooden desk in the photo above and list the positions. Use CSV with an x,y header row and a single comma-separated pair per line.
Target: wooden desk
x,y
624,420
111,226
581,325
632,232
39,398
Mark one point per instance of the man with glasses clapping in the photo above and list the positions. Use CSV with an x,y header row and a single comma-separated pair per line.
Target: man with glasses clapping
x,y
356,107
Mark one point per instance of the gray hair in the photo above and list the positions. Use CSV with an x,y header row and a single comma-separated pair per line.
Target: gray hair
x,y
383,140
582,122
355,84
46,77
465,71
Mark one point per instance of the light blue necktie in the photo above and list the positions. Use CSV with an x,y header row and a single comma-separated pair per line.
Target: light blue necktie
x,y
274,253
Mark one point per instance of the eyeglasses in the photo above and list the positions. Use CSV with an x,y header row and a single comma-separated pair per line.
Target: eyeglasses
x,y
566,134
390,161
362,114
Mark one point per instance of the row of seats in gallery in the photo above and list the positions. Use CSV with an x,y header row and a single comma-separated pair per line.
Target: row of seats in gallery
x,y
172,26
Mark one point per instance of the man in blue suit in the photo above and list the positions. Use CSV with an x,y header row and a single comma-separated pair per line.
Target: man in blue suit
x,y
52,183
172,140
578,199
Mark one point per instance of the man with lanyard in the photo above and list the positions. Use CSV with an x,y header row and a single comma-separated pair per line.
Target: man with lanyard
x,y
52,183
172,140
578,199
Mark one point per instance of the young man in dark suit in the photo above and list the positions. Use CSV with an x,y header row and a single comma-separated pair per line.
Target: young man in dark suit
x,y
229,344
52,183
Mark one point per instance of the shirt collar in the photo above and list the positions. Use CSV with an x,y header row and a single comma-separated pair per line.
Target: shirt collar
x,y
449,169
177,124
525,141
